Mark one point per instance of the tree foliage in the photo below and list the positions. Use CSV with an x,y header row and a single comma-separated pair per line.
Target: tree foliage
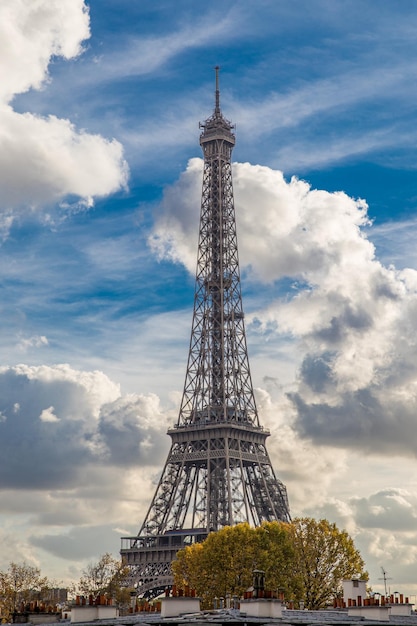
x,y
224,562
305,559
20,583
106,577
323,557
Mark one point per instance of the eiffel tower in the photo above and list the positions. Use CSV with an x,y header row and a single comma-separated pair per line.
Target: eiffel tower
x,y
218,472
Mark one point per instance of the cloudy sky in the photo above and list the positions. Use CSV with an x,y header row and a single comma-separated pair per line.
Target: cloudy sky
x,y
100,175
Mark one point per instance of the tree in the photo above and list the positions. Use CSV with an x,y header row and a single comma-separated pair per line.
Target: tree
x,y
323,557
188,568
225,561
276,557
221,564
306,560
106,577
21,583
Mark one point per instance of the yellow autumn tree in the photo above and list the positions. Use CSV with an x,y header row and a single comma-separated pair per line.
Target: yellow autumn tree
x,y
188,567
305,559
20,583
224,563
106,576
323,557
221,564
276,557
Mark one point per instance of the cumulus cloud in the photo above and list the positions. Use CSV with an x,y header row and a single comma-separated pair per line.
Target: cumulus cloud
x,y
31,33
132,427
48,415
383,526
307,469
43,160
392,509
178,214
351,318
56,422
36,449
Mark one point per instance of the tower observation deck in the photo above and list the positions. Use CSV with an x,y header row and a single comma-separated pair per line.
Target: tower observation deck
x,y
218,472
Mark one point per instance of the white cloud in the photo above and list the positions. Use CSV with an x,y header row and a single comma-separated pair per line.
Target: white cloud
x,y
305,108
37,341
93,427
392,509
15,549
175,231
34,455
77,451
132,428
98,386
280,225
382,524
306,469
48,415
31,33
337,91
351,318
43,160
147,54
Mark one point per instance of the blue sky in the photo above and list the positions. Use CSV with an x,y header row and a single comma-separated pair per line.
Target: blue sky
x,y
100,170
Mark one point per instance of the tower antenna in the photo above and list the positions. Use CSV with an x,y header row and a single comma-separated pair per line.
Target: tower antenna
x,y
217,107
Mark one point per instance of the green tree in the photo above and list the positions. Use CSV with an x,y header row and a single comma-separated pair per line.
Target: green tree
x,y
188,567
20,583
276,556
225,561
228,558
106,577
305,559
323,557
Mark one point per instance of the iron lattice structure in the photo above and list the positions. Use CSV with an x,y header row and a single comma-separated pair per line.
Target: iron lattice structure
x,y
218,472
